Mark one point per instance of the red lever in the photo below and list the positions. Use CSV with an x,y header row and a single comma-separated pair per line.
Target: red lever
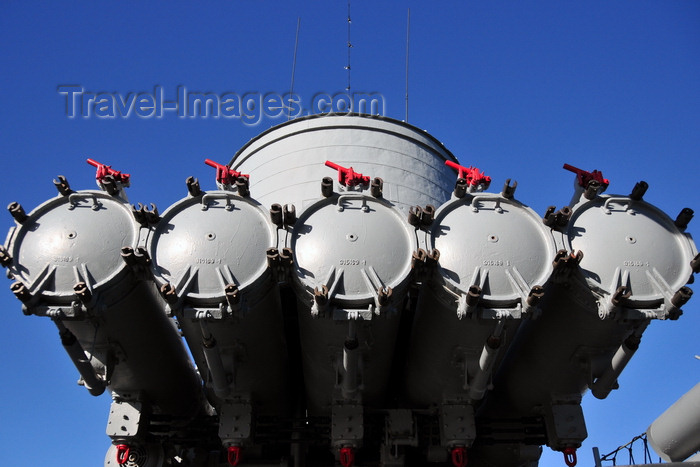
x,y
225,175
347,176
472,175
459,456
570,457
104,170
584,178
122,453
234,455
347,456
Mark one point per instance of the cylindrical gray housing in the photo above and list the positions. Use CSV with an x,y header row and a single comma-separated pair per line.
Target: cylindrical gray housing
x,y
359,248
675,435
502,247
124,331
555,354
634,259
202,246
286,163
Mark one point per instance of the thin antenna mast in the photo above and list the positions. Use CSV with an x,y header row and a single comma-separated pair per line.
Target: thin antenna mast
x,y
294,67
408,35
347,67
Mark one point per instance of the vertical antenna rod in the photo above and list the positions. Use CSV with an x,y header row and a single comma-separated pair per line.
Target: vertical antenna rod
x,y
408,35
347,67
294,67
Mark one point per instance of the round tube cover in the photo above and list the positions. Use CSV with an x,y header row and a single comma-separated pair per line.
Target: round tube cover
x,y
206,242
621,238
493,242
354,244
73,238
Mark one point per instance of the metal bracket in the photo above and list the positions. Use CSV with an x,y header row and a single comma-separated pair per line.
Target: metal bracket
x,y
345,314
529,296
227,196
347,425
565,425
75,198
401,428
125,419
235,421
469,302
457,425
482,198
382,294
325,291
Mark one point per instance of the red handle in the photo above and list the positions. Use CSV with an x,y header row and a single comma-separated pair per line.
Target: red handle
x,y
459,457
234,455
347,176
570,457
104,170
584,177
472,175
347,456
123,451
224,174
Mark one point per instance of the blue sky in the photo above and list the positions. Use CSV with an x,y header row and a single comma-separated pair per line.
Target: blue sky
x,y
516,88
